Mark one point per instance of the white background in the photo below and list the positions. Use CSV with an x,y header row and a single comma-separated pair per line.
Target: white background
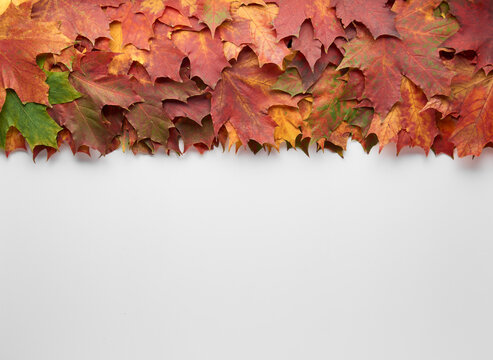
x,y
226,257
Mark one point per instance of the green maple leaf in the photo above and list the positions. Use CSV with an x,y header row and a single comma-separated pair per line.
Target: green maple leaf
x,y
61,91
30,119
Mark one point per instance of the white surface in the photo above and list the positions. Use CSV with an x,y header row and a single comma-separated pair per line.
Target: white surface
x,y
227,257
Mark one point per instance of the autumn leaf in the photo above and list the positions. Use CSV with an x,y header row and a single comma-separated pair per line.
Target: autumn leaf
x,y
21,40
87,124
136,27
374,14
406,124
328,108
476,29
90,77
165,58
85,18
470,101
420,125
150,121
292,14
31,119
14,141
61,91
193,134
196,108
175,90
386,128
308,75
290,82
464,80
475,126
186,7
252,25
310,47
152,9
215,12
243,97
442,143
199,46
415,55
148,118
127,54
174,18
289,123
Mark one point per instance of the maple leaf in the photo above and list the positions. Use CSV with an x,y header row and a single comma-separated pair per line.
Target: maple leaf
x,y
470,100
442,143
14,141
475,126
150,121
152,9
136,27
148,118
31,119
64,137
340,136
164,58
61,91
308,75
386,59
228,136
290,82
196,108
307,44
21,40
127,54
355,85
406,124
243,97
420,125
476,29
84,18
173,90
215,12
201,136
462,83
252,25
374,14
174,18
289,122
186,7
163,89
292,14
88,126
199,46
299,76
328,108
231,51
90,77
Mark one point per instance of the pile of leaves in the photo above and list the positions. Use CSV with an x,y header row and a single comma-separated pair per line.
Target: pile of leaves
x,y
171,75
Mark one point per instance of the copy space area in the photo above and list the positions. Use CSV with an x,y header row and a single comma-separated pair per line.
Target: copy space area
x,y
241,257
